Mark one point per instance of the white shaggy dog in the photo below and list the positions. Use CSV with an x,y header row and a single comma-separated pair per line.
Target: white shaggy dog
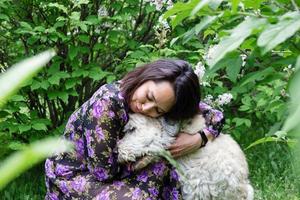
x,y
217,171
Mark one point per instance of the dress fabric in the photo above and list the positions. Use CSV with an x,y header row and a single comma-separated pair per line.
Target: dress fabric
x,y
91,170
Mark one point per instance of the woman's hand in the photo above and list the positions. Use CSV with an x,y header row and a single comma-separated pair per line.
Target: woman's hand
x,y
184,144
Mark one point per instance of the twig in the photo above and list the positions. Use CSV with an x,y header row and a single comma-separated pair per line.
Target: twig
x,y
295,5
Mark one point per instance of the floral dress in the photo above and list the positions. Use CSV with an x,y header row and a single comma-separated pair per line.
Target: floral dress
x,y
91,171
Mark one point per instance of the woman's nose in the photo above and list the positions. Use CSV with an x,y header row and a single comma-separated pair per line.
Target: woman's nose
x,y
148,106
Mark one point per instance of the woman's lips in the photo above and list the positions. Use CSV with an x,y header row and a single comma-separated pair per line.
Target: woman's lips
x,y
137,108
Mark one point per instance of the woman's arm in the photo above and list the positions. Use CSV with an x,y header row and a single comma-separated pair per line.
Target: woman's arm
x,y
102,126
186,143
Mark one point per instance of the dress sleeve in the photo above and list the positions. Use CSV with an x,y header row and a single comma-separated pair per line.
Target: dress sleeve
x,y
102,121
214,119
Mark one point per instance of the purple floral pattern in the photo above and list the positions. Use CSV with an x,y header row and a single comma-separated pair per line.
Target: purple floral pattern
x,y
214,119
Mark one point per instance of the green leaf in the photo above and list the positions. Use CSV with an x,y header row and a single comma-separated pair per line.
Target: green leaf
x,y
204,23
84,38
59,6
33,39
26,25
39,29
55,78
264,140
244,108
83,26
92,20
199,5
45,84
278,33
16,145
253,4
259,75
214,4
241,121
178,7
41,120
198,28
179,17
24,70
35,85
70,83
77,3
72,92
293,119
58,94
80,72
98,46
20,161
39,126
17,98
238,35
233,68
4,17
23,128
234,5
75,17
73,52
97,75
110,78
232,62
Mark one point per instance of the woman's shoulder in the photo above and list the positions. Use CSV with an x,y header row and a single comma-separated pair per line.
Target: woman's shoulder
x,y
109,92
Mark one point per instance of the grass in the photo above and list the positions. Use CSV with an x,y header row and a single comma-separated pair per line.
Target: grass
x,y
271,174
30,185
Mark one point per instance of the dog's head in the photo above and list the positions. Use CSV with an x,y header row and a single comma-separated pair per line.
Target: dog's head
x,y
140,131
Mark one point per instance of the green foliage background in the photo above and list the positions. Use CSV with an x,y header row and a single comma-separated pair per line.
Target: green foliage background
x,y
99,41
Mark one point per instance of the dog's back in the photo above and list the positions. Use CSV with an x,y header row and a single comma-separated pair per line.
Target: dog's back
x,y
217,171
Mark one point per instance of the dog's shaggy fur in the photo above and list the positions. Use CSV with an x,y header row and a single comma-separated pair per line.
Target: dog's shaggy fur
x,y
217,171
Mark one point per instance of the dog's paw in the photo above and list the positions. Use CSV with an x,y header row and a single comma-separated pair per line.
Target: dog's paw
x,y
124,157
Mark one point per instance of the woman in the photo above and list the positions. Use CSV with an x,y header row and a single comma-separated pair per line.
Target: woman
x,y
163,87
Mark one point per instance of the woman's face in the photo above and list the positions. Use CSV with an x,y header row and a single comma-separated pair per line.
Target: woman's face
x,y
153,99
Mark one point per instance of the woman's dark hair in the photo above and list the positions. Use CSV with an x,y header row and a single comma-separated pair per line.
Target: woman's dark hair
x,y
179,73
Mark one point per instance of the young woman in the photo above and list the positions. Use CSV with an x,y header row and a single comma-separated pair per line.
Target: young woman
x,y
164,87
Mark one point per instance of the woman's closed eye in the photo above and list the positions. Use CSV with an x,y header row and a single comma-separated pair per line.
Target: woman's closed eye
x,y
150,98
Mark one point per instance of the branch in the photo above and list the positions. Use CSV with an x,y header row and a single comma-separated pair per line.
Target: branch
x,y
295,5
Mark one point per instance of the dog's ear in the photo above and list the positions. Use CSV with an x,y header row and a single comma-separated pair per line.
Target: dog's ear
x,y
128,128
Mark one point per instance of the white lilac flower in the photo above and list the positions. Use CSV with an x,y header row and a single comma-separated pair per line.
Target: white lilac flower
x,y
2,69
224,99
257,12
170,4
76,30
242,6
283,93
200,70
209,99
209,54
205,84
163,23
102,12
244,57
97,29
288,68
160,3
